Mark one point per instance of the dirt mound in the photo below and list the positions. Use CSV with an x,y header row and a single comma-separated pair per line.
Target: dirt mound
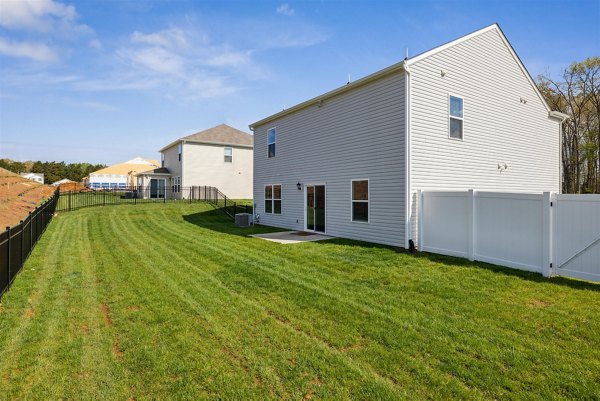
x,y
19,196
72,186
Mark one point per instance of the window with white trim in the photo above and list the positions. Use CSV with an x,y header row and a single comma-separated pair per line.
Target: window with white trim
x,y
271,140
228,155
176,186
162,159
360,200
179,152
455,114
273,199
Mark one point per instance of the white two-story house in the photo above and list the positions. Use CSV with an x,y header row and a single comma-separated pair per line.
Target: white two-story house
x,y
349,162
219,157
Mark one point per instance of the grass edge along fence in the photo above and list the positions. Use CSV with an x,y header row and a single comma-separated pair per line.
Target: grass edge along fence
x,y
17,242
74,200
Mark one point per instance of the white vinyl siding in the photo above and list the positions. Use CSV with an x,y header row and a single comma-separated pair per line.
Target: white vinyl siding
x,y
204,165
359,133
498,128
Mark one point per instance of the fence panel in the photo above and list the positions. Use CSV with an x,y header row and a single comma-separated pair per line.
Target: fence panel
x,y
442,223
17,242
544,233
576,223
74,200
509,230
4,259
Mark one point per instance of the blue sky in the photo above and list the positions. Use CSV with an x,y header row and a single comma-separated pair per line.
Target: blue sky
x,y
105,81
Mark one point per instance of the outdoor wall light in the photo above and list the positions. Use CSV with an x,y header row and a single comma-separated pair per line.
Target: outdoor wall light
x,y
299,186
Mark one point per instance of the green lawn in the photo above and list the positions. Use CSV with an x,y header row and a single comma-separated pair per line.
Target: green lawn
x,y
170,301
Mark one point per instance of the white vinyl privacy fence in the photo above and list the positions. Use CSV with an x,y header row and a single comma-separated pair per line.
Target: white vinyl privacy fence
x,y
547,233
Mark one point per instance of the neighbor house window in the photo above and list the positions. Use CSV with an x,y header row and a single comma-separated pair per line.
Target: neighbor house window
x,y
228,155
360,200
273,199
456,117
176,184
162,159
271,139
179,151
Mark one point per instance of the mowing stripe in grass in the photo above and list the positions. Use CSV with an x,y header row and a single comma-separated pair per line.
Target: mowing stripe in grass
x,y
198,303
217,253
201,312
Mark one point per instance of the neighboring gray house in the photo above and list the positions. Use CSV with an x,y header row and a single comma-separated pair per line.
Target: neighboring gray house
x,y
349,162
220,157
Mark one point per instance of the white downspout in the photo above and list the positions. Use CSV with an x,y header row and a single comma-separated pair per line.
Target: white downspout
x,y
407,187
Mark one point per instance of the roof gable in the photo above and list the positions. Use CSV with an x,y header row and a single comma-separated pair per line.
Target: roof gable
x,y
405,65
494,27
128,167
222,134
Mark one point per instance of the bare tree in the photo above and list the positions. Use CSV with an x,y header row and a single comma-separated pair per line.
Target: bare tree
x,y
577,94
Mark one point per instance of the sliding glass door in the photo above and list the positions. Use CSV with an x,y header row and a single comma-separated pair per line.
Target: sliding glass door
x,y
157,188
315,208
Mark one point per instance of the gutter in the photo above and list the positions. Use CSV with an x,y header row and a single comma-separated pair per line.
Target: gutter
x,y
558,115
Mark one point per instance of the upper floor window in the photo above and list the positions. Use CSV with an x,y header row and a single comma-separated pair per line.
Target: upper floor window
x,y
179,152
456,117
228,155
271,139
162,159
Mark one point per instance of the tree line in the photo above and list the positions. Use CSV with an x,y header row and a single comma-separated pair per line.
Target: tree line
x,y
53,171
577,93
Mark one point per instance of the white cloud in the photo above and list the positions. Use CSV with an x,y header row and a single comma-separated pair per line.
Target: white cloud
x,y
96,106
95,44
40,15
169,38
229,59
286,10
31,50
155,59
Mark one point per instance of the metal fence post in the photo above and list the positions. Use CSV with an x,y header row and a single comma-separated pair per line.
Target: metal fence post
x,y
30,234
21,259
103,198
8,254
69,196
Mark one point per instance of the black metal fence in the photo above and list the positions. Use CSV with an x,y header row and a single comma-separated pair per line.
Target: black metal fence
x,y
73,200
16,243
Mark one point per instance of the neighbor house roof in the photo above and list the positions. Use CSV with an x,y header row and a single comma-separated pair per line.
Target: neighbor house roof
x,y
134,165
156,171
220,135
63,181
405,65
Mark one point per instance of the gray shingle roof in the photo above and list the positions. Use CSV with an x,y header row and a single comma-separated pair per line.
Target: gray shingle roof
x,y
223,135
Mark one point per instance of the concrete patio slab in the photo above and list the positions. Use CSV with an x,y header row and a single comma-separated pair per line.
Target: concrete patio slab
x,y
292,237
